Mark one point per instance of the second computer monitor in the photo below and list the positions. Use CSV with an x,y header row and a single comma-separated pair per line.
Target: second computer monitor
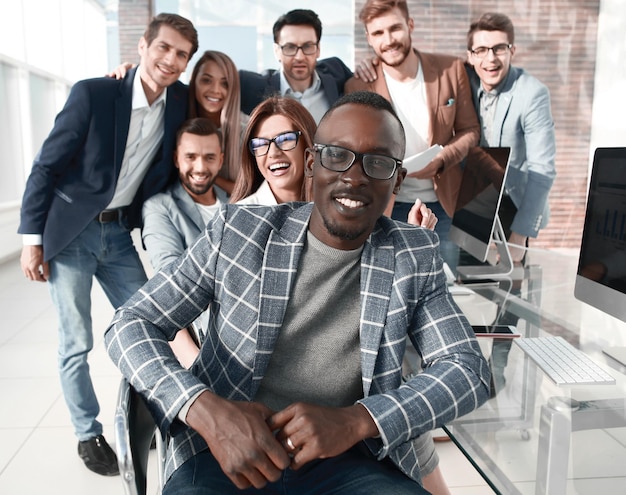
x,y
476,226
601,274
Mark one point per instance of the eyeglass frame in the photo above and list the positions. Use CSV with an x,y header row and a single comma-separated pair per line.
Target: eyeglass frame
x,y
314,46
357,157
492,49
273,140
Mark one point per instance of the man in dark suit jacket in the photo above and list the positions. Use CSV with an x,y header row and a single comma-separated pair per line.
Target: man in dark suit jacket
x,y
110,149
297,37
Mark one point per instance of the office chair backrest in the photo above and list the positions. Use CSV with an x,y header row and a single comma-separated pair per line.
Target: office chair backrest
x,y
134,429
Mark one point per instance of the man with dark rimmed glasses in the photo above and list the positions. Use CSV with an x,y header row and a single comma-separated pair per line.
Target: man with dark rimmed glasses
x,y
297,36
298,386
514,111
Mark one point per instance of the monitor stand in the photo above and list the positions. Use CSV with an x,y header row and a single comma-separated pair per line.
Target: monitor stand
x,y
617,353
500,265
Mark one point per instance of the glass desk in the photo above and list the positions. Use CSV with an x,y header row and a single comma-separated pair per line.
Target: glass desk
x,y
518,440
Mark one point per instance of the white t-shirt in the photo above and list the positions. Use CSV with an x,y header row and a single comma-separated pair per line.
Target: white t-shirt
x,y
409,100
207,212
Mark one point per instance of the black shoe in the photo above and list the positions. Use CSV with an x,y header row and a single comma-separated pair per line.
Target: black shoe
x,y
98,456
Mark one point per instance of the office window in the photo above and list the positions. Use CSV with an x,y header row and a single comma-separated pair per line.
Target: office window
x,y
42,109
243,28
12,40
10,136
43,35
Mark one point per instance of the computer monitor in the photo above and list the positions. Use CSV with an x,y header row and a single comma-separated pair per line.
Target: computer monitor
x,y
476,225
601,275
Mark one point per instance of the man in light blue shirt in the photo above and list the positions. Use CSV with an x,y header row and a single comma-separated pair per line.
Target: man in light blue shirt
x,y
514,111
175,218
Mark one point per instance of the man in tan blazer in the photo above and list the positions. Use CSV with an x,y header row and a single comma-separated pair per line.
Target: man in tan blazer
x,y
431,94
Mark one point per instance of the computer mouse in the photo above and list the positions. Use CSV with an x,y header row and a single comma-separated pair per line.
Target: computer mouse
x,y
563,404
459,290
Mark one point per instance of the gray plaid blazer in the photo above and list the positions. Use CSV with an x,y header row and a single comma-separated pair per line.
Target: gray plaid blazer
x,y
242,267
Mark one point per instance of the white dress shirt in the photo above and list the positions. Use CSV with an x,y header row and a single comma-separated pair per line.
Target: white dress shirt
x,y
145,134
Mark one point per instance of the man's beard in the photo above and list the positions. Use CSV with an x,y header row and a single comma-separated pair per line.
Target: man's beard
x,y
405,50
195,188
340,232
299,76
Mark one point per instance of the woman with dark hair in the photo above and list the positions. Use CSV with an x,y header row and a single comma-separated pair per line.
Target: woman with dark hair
x,y
279,131
214,94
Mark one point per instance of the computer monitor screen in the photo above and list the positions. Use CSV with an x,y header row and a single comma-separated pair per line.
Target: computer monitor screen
x,y
475,224
601,276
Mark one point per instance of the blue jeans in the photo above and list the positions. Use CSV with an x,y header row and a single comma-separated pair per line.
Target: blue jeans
x,y
105,251
448,249
351,473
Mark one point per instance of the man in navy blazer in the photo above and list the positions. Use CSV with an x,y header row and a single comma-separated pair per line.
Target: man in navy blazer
x,y
110,149
316,85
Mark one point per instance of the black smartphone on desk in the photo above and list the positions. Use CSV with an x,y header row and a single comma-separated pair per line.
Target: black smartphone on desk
x,y
496,331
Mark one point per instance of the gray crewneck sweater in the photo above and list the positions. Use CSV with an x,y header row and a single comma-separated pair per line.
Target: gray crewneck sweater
x,y
317,355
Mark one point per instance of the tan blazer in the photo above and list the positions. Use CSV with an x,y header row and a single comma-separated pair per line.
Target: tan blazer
x,y
453,121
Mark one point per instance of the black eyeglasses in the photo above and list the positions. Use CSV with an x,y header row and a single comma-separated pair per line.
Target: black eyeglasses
x,y
285,141
290,50
500,49
340,159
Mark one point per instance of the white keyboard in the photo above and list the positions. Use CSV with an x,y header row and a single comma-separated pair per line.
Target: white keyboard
x,y
562,362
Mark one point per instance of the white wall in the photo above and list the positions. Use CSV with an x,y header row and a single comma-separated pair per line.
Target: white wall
x,y
608,119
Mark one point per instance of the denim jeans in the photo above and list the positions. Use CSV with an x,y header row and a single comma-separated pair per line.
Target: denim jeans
x,y
105,251
449,251
351,473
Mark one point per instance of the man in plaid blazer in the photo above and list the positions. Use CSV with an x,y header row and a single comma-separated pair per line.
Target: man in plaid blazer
x,y
299,382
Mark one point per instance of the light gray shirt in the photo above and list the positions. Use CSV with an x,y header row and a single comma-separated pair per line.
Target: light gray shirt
x,y
313,98
488,101
317,354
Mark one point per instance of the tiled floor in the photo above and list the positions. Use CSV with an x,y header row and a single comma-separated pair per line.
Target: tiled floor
x,y
37,445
